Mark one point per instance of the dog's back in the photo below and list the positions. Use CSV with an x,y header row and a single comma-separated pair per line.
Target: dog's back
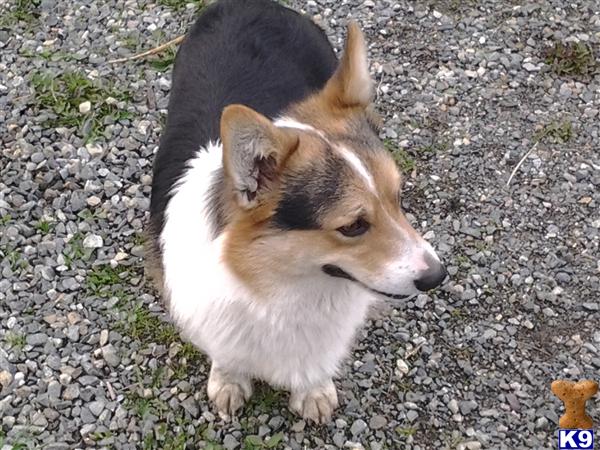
x,y
252,52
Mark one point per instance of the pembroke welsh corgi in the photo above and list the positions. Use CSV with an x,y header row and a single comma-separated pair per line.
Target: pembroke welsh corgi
x,y
275,216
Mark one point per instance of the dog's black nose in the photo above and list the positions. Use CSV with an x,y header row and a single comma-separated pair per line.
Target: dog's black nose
x,y
432,277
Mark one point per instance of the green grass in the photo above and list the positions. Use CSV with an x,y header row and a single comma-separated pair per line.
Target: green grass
x,y
462,260
165,60
213,446
405,162
146,327
138,239
5,220
44,227
75,251
438,146
166,440
14,446
162,436
571,59
131,41
143,326
265,399
14,259
24,11
453,6
254,442
187,357
19,446
48,55
62,95
405,386
15,340
101,435
458,314
181,367
92,215
103,277
557,132
405,432
178,5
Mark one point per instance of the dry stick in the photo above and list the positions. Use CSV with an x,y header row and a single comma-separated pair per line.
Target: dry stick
x,y
111,391
152,51
521,162
414,351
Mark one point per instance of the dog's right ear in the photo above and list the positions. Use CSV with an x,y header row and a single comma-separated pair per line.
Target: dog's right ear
x,y
254,151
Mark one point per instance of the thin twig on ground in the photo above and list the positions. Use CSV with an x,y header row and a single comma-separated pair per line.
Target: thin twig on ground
x,y
521,162
152,51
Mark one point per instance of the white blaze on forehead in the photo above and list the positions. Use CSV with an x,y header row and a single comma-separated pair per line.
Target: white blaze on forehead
x,y
288,122
357,165
348,155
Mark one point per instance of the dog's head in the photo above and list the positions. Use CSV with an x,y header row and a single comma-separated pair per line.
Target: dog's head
x,y
316,194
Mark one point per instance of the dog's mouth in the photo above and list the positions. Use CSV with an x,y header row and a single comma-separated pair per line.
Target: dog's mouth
x,y
337,272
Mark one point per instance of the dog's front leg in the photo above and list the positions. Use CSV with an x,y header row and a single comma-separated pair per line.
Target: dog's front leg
x,y
228,390
315,404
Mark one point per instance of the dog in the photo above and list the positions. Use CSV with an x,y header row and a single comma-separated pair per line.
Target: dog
x,y
275,217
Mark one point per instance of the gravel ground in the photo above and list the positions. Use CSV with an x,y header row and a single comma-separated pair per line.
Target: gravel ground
x,y
87,356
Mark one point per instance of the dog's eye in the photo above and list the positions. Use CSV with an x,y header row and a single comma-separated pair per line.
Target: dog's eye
x,y
356,228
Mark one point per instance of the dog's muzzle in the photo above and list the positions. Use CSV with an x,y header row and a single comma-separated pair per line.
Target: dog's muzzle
x,y
337,272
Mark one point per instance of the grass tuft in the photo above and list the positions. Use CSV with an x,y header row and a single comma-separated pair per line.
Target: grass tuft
x,y
405,162
405,432
254,442
571,59
178,5
74,250
15,340
5,220
63,93
558,132
265,399
435,147
102,278
22,11
165,60
146,327
44,227
16,260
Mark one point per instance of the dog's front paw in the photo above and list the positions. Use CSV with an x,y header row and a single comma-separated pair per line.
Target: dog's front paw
x,y
229,392
316,404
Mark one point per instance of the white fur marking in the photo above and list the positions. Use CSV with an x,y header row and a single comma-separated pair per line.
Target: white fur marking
x,y
349,156
357,165
288,122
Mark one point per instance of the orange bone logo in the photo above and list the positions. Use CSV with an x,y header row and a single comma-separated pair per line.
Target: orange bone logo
x,y
574,396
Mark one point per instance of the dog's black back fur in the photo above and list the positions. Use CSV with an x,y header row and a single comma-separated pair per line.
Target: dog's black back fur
x,y
254,52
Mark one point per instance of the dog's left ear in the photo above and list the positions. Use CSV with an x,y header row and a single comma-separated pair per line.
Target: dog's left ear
x,y
254,151
351,84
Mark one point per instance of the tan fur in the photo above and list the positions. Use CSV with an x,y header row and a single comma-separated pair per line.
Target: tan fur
x,y
334,111
153,266
262,266
348,92
243,247
351,83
